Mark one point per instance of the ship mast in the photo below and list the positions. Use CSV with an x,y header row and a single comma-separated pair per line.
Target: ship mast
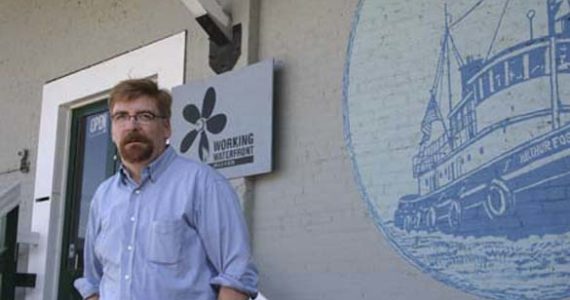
x,y
552,8
447,51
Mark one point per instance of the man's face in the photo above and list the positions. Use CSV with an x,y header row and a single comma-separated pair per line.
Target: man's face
x,y
137,141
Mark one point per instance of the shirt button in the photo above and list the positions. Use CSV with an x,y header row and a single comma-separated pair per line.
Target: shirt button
x,y
132,219
127,277
130,248
137,191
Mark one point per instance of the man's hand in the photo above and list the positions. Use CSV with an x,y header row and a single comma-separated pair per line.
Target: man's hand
x,y
227,293
93,297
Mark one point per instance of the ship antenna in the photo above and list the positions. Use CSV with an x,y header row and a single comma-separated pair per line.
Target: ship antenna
x,y
530,15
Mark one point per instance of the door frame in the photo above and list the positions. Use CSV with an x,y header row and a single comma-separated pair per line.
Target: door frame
x,y
163,60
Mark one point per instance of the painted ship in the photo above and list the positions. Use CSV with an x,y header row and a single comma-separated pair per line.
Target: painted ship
x,y
501,163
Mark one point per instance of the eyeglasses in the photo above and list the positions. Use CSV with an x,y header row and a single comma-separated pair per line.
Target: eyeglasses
x,y
145,117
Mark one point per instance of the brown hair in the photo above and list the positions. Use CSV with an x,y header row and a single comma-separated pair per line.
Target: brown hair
x,y
131,89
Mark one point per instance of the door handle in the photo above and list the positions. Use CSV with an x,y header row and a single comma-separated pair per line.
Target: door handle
x,y
71,251
73,255
76,263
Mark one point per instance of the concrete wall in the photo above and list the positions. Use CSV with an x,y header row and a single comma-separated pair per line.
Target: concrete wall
x,y
312,235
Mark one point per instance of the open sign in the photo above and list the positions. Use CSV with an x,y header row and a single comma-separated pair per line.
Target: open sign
x,y
97,124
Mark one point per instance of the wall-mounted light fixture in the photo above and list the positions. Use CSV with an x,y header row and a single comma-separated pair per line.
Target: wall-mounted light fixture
x,y
225,39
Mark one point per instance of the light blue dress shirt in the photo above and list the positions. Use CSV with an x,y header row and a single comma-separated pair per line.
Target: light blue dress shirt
x,y
180,234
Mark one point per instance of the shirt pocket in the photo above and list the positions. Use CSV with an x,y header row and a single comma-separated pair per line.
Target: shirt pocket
x,y
165,244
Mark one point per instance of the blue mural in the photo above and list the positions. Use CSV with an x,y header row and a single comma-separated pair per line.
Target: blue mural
x,y
457,118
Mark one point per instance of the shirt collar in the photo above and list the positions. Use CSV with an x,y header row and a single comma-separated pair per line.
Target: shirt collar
x,y
153,170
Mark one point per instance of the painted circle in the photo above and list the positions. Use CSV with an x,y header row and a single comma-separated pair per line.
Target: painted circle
x,y
497,201
389,74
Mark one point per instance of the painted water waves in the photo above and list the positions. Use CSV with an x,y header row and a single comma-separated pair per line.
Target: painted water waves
x,y
457,118
531,268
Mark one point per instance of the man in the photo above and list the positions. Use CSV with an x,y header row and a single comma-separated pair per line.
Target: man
x,y
164,227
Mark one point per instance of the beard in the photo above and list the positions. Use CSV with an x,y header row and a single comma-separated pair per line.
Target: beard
x,y
135,148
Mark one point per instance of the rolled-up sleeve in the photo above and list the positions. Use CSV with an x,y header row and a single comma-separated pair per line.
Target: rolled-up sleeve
x,y
93,270
222,228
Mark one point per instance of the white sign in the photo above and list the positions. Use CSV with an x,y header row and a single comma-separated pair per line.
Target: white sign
x,y
226,121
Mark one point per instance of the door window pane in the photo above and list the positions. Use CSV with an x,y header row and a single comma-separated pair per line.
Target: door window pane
x,y
3,246
97,142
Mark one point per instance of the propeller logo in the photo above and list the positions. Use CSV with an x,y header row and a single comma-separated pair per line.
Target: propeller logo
x,y
203,123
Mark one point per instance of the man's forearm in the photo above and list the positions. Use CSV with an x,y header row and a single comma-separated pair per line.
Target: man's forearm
x,y
227,293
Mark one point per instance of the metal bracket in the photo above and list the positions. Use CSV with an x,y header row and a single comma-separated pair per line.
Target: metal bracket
x,y
24,160
25,280
24,163
223,58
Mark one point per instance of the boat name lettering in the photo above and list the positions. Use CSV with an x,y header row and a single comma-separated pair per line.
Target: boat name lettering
x,y
561,140
555,142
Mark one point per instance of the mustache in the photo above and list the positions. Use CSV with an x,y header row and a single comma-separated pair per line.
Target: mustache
x,y
134,136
